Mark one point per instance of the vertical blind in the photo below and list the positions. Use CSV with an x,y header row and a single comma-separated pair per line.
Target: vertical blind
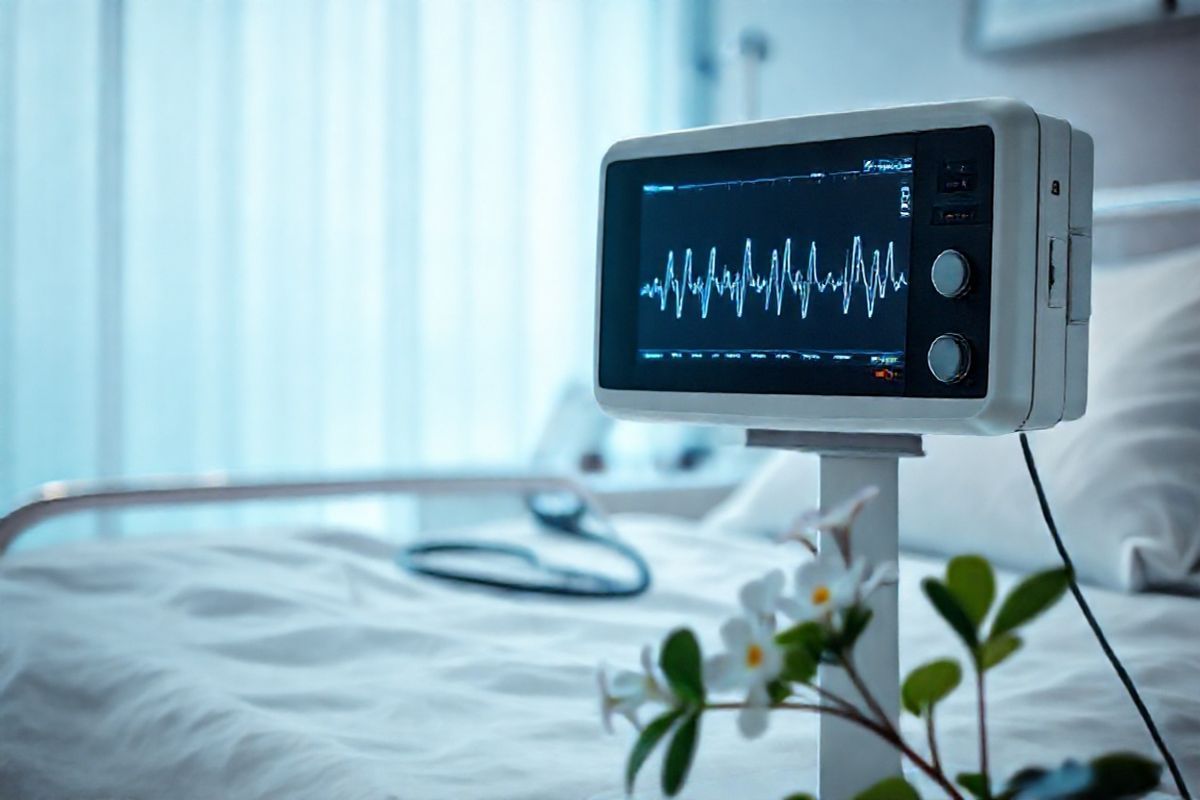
x,y
303,235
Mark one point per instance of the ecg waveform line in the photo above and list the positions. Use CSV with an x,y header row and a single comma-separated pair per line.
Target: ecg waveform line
x,y
875,280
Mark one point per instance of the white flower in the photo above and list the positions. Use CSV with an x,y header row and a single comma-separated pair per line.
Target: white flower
x,y
827,585
837,522
751,661
760,598
628,690
823,586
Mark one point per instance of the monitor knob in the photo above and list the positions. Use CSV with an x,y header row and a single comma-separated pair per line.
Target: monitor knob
x,y
949,358
951,273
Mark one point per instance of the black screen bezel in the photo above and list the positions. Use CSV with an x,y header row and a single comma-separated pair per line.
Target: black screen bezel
x,y
929,313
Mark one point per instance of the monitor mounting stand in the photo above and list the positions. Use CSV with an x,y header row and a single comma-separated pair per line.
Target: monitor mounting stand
x,y
853,759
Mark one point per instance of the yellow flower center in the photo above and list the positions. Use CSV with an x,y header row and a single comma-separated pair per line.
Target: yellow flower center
x,y
820,595
754,656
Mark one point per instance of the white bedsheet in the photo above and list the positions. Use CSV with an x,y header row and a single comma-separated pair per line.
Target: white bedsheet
x,y
307,666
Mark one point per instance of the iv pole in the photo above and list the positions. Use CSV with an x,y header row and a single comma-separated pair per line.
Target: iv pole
x,y
853,759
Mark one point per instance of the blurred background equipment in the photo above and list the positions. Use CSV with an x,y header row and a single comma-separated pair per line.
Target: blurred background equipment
x,y
1007,25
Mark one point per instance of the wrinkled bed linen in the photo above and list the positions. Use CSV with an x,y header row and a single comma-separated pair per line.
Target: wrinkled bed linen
x,y
305,665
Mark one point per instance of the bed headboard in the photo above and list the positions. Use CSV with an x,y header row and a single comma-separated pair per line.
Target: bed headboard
x,y
1143,220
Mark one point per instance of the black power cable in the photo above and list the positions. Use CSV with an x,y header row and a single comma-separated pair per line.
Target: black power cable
x,y
1095,626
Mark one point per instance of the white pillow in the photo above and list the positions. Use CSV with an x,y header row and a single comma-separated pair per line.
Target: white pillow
x,y
1123,482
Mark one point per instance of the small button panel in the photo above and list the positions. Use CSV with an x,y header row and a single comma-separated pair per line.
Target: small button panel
x,y
951,273
950,292
949,358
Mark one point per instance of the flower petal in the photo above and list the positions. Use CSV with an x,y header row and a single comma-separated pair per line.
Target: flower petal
x,y
821,571
775,580
722,672
772,660
736,634
752,719
831,557
626,683
606,701
844,514
760,596
810,520
799,533
796,609
845,590
885,574
648,659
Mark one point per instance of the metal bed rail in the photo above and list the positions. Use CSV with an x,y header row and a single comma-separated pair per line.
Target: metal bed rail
x,y
62,498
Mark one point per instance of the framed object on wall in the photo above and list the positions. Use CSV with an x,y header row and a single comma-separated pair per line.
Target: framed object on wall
x,y
1002,25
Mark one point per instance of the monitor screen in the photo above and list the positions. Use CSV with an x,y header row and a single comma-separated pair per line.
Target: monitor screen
x,y
779,269
801,263
802,269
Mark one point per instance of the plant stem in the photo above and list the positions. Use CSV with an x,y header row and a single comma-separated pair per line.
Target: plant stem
x,y
791,706
888,734
831,697
983,744
868,698
933,770
933,748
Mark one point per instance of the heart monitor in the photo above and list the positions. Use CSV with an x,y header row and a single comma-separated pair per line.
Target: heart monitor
x,y
916,269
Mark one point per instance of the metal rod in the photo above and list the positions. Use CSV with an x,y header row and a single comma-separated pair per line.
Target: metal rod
x,y
60,499
1152,200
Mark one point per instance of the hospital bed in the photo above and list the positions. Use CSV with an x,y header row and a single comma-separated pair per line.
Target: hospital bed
x,y
302,663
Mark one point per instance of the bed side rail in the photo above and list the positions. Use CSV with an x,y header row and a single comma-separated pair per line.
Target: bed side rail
x,y
61,498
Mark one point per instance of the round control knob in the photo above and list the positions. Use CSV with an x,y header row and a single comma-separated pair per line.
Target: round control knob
x,y
951,273
949,358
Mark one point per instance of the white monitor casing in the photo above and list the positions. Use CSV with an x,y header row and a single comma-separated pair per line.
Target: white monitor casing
x,y
1040,279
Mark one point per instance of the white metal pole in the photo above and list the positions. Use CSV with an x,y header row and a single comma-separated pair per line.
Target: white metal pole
x,y
852,758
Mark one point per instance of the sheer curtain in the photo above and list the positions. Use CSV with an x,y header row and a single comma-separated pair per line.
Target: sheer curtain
x,y
293,236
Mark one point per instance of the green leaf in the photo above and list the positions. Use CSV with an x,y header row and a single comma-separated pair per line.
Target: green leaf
x,y
679,755
947,605
890,789
798,665
778,691
997,649
974,783
971,580
1125,775
854,621
928,685
808,635
1029,598
649,738
680,663
800,796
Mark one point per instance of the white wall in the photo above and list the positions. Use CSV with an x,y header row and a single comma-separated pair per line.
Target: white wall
x,y
1137,94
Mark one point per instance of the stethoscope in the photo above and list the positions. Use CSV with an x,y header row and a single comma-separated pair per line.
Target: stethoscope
x,y
561,513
